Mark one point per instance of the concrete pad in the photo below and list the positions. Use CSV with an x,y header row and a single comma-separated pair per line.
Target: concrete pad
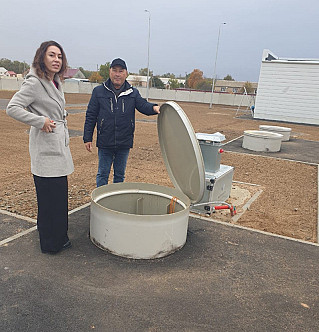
x,y
76,105
75,111
4,103
224,279
75,133
294,149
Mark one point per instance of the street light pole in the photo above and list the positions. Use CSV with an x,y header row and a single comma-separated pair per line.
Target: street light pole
x,y
214,76
148,53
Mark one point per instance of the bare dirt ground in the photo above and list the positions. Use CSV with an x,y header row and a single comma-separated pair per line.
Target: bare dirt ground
x,y
287,205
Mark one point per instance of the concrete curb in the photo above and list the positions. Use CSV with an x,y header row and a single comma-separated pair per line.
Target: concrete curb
x,y
16,236
236,217
18,216
253,230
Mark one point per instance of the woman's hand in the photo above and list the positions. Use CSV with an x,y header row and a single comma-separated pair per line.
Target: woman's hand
x,y
49,125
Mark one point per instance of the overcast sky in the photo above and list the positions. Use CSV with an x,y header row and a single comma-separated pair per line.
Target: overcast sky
x,y
184,33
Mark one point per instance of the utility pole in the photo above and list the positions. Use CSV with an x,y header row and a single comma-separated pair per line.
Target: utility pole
x,y
148,53
214,76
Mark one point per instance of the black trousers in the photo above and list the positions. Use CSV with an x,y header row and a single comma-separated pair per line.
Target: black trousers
x,y
52,221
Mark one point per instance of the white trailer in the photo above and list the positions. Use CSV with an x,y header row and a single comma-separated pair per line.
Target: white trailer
x,y
288,90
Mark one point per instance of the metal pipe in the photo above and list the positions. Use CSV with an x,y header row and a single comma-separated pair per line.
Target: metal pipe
x,y
222,207
225,207
213,202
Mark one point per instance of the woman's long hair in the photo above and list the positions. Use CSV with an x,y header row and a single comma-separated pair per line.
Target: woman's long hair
x,y
38,61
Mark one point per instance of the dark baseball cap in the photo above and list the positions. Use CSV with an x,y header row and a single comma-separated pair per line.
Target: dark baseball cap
x,y
118,62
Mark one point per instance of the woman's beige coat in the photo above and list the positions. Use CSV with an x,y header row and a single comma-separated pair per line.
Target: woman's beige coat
x,y
37,99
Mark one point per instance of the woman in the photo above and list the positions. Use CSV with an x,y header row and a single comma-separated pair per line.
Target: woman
x,y
40,103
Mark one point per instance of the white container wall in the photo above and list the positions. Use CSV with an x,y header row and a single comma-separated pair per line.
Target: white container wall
x,y
132,220
262,141
288,90
284,131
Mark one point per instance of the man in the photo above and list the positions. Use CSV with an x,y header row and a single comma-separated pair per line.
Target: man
x,y
112,110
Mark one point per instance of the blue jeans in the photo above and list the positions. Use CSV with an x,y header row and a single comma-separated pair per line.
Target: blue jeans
x,y
107,157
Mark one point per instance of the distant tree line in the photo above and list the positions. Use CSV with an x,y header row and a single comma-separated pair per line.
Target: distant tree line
x,y
195,80
16,66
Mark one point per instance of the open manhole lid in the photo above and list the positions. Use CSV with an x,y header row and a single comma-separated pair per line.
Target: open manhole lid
x,y
181,151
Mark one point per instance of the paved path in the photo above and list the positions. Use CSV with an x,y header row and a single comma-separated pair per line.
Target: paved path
x,y
224,279
294,149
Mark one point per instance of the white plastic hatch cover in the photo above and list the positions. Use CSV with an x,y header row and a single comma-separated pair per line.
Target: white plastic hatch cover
x,y
216,137
181,151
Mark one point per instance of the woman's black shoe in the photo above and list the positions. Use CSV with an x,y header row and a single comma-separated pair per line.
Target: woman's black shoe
x,y
49,252
66,245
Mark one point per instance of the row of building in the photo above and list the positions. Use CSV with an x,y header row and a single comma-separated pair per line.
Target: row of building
x,y
70,73
220,85
8,73
141,81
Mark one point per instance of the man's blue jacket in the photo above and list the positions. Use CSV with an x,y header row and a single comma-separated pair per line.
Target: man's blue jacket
x,y
114,116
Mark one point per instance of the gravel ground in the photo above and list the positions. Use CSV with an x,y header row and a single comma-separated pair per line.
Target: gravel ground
x,y
287,205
